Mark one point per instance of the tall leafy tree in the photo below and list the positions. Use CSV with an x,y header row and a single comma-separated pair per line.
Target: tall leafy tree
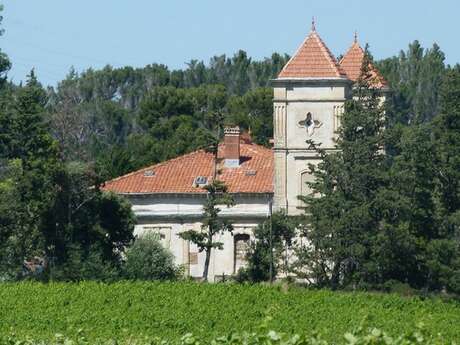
x,y
83,221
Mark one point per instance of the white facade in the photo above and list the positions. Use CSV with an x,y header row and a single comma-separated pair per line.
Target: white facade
x,y
169,215
304,109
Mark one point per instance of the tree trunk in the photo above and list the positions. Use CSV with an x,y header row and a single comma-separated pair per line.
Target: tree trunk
x,y
206,264
335,276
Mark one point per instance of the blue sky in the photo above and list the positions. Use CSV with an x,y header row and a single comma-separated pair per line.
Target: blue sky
x,y
53,35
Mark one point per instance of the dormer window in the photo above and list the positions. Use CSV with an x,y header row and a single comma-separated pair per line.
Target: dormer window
x,y
149,173
200,181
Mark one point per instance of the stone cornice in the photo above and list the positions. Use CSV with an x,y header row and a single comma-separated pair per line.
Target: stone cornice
x,y
299,82
310,100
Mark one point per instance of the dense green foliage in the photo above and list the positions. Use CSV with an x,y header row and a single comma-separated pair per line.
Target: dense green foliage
x,y
378,217
147,259
415,78
169,310
269,247
126,118
55,222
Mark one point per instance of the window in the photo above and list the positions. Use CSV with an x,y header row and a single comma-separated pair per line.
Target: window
x,y
200,181
163,233
149,173
310,124
306,177
241,242
338,112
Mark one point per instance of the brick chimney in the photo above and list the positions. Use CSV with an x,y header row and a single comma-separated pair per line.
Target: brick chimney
x,y
232,147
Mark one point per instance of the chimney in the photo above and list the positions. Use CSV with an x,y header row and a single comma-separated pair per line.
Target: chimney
x,y
232,147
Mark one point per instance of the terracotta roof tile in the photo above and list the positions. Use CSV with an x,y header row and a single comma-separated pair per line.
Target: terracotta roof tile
x,y
177,175
312,60
352,62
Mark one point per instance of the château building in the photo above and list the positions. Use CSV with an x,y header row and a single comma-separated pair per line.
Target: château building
x,y
309,96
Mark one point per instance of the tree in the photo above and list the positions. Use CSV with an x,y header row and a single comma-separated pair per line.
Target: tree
x,y
415,78
270,247
5,63
447,135
212,224
27,145
253,111
444,256
11,216
83,220
340,222
406,207
147,259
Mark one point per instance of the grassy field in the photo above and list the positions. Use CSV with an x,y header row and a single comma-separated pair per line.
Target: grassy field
x,y
169,310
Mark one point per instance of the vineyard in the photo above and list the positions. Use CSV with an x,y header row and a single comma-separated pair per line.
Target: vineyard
x,y
169,310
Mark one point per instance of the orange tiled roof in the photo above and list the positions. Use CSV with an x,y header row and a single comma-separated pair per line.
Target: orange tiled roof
x,y
312,60
352,62
178,175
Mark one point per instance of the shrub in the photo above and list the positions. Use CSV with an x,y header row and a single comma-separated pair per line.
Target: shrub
x,y
81,266
147,259
258,256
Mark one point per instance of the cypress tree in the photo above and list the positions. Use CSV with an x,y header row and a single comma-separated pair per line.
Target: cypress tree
x,y
340,221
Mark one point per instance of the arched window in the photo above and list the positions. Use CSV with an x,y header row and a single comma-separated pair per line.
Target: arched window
x,y
241,246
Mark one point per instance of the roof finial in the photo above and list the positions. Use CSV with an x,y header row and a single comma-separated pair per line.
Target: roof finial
x,y
313,26
356,36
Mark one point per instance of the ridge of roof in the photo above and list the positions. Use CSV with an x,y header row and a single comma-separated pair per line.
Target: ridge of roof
x,y
313,59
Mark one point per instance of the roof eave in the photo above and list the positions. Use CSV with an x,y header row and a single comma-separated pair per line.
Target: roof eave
x,y
194,194
309,80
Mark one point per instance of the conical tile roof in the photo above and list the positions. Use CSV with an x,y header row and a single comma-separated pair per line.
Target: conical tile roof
x,y
312,60
352,63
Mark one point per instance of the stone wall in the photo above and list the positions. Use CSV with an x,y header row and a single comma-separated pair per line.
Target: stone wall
x,y
169,215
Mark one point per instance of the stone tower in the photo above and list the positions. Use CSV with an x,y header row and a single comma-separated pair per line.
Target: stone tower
x,y
309,96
